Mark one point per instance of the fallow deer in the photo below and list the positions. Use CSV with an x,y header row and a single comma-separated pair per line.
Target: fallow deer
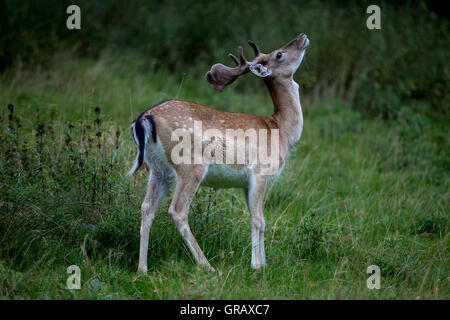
x,y
153,132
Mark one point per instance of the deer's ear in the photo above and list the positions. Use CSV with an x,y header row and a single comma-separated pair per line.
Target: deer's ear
x,y
259,70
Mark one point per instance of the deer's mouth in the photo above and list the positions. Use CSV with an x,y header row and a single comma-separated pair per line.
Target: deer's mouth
x,y
304,41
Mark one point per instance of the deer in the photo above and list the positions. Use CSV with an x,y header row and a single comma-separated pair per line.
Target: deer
x,y
153,132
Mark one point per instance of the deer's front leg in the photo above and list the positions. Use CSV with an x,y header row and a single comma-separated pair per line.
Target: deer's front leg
x,y
155,192
255,205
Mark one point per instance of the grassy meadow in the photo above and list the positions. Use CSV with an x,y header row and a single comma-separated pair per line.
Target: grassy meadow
x,y
355,192
368,183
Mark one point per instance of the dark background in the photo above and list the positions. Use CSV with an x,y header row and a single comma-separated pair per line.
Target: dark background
x,y
377,71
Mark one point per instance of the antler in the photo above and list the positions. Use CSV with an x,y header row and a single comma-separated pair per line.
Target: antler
x,y
255,48
220,75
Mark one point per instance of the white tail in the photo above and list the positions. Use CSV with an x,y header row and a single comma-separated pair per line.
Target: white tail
x,y
136,162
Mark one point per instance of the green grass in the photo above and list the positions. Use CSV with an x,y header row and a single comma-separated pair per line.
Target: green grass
x,y
355,192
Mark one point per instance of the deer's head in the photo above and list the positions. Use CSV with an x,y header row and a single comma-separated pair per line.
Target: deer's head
x,y
282,62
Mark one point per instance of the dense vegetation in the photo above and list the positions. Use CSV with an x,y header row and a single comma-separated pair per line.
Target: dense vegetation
x,y
407,61
367,184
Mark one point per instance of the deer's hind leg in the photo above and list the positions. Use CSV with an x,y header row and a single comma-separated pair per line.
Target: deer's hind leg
x,y
187,184
156,189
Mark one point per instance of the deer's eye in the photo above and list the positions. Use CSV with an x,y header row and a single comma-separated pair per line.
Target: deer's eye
x,y
279,54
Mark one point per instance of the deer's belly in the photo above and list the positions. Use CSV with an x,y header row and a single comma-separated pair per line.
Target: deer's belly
x,y
223,176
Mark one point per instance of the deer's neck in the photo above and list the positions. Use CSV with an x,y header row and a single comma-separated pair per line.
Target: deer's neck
x,y
287,109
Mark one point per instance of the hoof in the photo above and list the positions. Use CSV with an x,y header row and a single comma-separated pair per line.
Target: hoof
x,y
207,267
142,271
257,266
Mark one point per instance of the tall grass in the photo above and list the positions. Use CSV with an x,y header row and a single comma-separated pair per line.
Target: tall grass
x,y
355,192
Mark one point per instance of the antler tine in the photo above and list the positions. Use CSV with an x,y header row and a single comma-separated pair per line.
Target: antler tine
x,y
255,47
242,59
233,57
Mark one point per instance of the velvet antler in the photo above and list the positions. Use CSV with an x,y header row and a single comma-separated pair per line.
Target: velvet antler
x,y
220,75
